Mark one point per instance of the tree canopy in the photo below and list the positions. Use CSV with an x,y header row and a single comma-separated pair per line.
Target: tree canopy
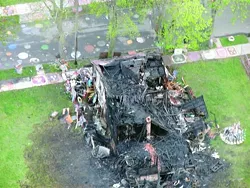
x,y
120,22
186,25
240,8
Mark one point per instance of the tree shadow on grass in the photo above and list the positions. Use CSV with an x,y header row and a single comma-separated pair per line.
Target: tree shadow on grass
x,y
58,158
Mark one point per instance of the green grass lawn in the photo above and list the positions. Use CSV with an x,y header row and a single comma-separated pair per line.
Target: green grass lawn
x,y
239,39
80,64
50,67
19,111
226,90
4,3
11,73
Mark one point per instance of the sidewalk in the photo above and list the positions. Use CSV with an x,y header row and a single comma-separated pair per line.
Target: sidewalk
x,y
40,79
219,53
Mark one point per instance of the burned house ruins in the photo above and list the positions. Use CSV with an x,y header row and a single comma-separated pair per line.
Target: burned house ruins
x,y
153,125
132,90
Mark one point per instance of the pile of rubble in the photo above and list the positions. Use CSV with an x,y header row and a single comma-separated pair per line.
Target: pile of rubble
x,y
233,135
133,108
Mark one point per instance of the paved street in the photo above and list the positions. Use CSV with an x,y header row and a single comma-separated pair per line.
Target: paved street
x,y
224,26
40,41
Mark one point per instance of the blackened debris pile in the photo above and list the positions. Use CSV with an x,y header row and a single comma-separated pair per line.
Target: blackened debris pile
x,y
132,89
153,125
168,162
156,125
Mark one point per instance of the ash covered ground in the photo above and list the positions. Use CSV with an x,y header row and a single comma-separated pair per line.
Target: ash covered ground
x,y
59,158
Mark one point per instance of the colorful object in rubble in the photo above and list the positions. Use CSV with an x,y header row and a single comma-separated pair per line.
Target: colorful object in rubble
x,y
153,156
233,135
94,99
175,72
174,101
89,83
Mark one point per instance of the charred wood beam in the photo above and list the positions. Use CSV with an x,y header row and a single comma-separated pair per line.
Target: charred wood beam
x,y
144,92
157,123
165,101
157,91
147,171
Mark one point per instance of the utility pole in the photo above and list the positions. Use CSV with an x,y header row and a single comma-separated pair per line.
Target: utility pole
x,y
76,2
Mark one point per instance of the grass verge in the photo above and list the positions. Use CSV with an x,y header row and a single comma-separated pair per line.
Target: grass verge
x,y
52,67
226,89
239,39
11,73
19,111
80,64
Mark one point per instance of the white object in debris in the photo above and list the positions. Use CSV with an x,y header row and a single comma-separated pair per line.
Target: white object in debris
x,y
215,155
99,126
148,127
117,185
100,152
233,135
178,51
54,114
72,83
124,182
73,118
63,68
39,67
64,76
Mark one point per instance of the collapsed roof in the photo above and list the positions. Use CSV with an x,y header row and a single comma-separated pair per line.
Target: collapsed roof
x,y
135,88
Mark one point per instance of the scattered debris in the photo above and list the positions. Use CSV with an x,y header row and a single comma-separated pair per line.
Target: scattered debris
x,y
178,56
152,128
215,155
19,68
63,65
53,115
67,117
39,69
100,152
233,135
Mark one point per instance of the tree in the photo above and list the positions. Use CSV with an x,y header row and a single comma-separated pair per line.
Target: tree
x,y
56,13
59,12
240,8
120,23
186,25
159,16
76,3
